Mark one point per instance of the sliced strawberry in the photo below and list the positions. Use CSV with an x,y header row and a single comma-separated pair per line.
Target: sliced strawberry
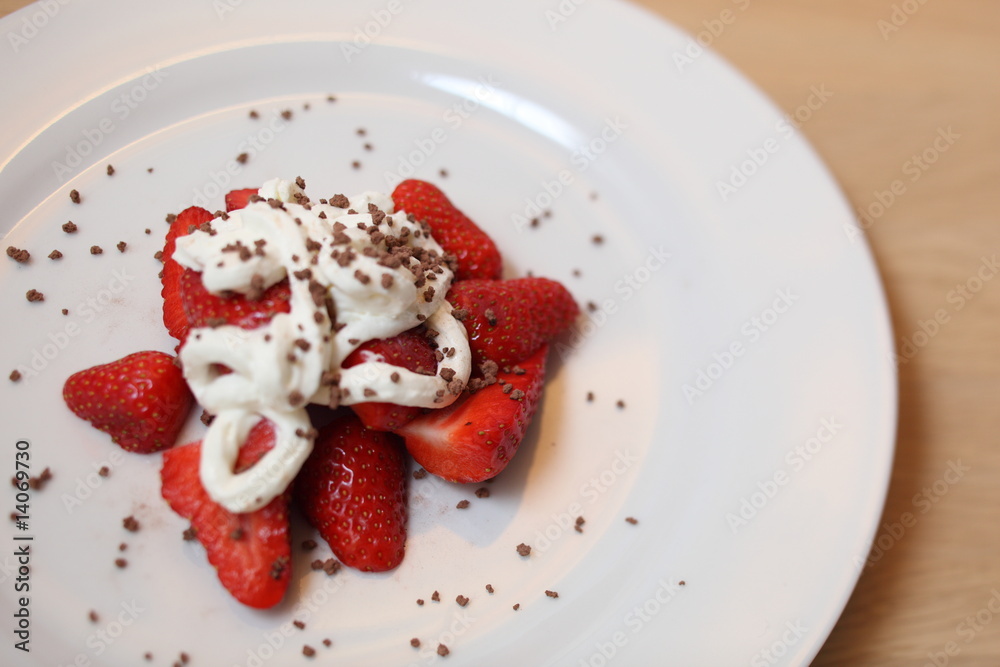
x,y
412,351
239,198
475,438
173,310
202,308
141,400
353,490
251,552
508,320
477,255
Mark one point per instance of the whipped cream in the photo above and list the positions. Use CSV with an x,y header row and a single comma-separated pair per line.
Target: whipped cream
x,y
375,270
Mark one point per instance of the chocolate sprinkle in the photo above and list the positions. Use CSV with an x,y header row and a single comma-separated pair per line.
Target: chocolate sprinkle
x,y
18,255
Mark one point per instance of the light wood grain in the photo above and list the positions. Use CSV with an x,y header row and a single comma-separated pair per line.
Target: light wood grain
x,y
891,97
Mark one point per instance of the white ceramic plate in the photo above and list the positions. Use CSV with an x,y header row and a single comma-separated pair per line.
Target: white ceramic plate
x,y
747,335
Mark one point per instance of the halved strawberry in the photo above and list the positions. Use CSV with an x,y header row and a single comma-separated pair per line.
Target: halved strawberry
x,y
238,198
251,552
458,235
174,317
475,438
508,320
353,490
202,308
412,351
141,400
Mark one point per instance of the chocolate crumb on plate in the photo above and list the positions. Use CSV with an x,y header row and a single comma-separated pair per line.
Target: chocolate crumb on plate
x,y
253,114
287,114
65,311
579,524
308,651
299,624
443,650
482,492
309,545
327,643
517,606
121,562
419,473
130,524
19,255
111,170
356,164
189,534
185,658
15,376
34,295
462,600
620,404
148,231
70,227
96,250
104,471
523,549
435,597
242,158
682,583
93,616
420,602
415,643
489,588
590,397
121,246
597,239
462,504
443,173
122,547
551,594
74,196
55,254
632,520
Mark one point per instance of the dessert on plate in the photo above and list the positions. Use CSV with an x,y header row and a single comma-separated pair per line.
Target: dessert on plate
x,y
327,342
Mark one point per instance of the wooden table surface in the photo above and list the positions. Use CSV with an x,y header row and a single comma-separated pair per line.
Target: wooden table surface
x,y
904,75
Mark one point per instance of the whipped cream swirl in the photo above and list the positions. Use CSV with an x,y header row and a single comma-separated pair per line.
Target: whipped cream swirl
x,y
357,260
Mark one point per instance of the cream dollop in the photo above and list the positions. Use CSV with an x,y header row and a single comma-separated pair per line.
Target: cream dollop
x,y
377,271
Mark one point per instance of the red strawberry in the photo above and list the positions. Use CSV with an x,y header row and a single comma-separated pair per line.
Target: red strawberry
x,y
412,351
141,400
251,552
173,310
477,255
508,320
353,490
239,198
202,308
475,438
